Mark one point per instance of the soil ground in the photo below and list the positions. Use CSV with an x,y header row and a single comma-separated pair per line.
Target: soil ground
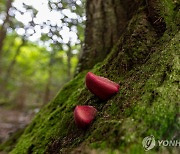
x,y
11,120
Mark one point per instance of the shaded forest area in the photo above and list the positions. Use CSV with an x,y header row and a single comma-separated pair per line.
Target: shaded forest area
x,y
134,43
39,47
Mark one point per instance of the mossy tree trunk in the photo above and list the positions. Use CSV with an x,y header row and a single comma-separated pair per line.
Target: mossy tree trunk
x,y
106,21
144,60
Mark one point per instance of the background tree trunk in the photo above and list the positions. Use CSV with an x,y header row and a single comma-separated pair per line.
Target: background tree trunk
x,y
47,92
9,70
144,38
3,29
69,56
13,62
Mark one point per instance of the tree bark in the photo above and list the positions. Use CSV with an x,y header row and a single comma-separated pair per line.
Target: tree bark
x,y
144,61
3,29
106,21
5,25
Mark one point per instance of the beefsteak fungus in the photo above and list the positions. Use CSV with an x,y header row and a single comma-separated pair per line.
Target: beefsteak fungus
x,y
84,115
100,86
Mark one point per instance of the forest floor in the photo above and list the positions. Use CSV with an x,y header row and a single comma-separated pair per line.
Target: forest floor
x,y
12,120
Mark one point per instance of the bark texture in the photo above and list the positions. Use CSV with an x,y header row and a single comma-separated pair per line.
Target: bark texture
x,y
106,21
145,62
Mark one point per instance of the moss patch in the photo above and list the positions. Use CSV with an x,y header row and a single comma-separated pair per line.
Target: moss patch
x,y
147,69
53,120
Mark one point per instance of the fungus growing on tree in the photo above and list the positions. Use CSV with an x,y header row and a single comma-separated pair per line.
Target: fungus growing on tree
x,y
100,86
84,115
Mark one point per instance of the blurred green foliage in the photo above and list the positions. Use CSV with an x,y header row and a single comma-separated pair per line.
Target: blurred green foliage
x,y
31,72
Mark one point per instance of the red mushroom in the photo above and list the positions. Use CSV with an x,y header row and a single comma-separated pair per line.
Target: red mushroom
x,y
100,86
84,115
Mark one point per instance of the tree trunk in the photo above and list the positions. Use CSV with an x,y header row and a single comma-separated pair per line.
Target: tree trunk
x,y
13,62
4,27
69,56
143,60
21,97
10,70
47,92
106,21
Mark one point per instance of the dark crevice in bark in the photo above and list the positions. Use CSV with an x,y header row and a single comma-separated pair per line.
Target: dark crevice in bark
x,y
154,17
133,48
30,149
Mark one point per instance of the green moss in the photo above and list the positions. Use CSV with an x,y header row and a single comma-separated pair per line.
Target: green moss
x,y
147,104
151,109
147,70
53,119
170,12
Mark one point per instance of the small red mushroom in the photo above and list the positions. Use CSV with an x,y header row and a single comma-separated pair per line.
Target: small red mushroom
x,y
100,86
84,115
